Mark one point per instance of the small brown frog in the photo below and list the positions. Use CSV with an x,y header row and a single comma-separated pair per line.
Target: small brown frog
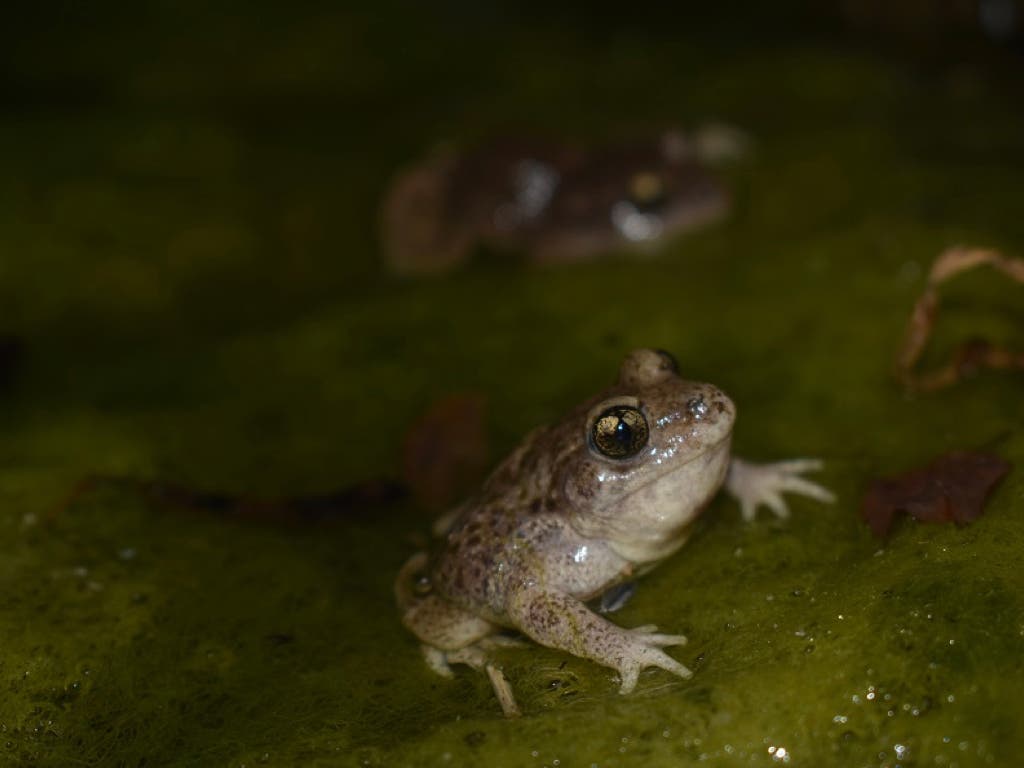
x,y
578,508
555,203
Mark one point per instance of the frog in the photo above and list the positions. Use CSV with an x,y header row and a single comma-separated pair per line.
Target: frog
x,y
555,202
580,507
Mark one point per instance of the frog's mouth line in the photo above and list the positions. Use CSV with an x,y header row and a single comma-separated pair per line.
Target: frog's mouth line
x,y
703,450
660,527
713,450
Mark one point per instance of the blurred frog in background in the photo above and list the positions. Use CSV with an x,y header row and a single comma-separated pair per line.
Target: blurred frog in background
x,y
554,202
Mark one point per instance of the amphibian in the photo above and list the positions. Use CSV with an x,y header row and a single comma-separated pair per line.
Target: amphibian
x,y
580,507
552,202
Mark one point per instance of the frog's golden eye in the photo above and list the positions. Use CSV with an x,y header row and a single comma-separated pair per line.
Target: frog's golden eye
x,y
619,432
646,190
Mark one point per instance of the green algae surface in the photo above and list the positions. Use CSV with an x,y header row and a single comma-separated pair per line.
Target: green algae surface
x,y
187,251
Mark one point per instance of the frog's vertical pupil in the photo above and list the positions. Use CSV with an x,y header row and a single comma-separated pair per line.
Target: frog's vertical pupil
x,y
623,435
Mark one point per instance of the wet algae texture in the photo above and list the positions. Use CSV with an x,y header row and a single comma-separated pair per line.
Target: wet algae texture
x,y
188,257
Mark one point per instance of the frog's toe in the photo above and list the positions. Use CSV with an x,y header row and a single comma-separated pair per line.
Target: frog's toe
x,y
649,657
663,641
472,656
660,659
629,676
643,629
773,501
501,641
646,652
437,660
796,466
502,691
648,633
805,487
755,485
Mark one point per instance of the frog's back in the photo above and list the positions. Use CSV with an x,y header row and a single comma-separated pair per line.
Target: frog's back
x,y
516,512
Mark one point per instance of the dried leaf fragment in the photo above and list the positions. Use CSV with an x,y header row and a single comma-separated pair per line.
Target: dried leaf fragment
x,y
972,355
350,501
445,451
952,488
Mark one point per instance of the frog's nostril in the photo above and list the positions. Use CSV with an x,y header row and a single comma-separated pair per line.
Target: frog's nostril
x,y
696,407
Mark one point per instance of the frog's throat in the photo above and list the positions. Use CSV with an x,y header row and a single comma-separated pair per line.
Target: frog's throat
x,y
647,554
633,525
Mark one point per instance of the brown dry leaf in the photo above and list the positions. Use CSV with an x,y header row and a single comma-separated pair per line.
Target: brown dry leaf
x,y
972,355
343,503
952,488
445,450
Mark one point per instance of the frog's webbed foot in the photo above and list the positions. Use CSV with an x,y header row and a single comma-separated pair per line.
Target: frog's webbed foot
x,y
644,650
757,484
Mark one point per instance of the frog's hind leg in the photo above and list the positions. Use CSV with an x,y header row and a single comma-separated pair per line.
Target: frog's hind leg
x,y
432,618
449,634
473,655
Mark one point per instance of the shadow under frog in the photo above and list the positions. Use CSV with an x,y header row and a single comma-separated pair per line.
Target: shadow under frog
x,y
578,508
554,203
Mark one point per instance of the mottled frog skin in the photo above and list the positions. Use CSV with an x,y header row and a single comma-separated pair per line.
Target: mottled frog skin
x,y
552,202
579,507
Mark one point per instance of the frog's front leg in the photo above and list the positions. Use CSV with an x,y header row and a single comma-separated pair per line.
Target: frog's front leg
x,y
560,621
757,484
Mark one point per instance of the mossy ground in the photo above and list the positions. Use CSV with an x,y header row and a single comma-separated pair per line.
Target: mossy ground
x,y
187,212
